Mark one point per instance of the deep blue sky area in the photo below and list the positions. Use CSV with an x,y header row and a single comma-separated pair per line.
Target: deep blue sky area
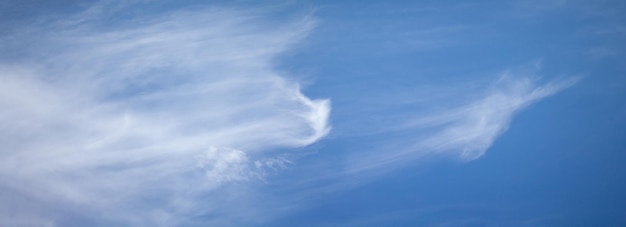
x,y
313,113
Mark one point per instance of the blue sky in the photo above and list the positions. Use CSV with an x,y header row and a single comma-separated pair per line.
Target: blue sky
x,y
312,113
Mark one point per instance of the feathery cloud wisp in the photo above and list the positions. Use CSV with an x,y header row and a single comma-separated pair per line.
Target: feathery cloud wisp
x,y
150,110
471,129
463,126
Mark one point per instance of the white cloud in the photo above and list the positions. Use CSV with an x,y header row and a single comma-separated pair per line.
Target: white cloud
x,y
142,116
407,129
468,131
463,124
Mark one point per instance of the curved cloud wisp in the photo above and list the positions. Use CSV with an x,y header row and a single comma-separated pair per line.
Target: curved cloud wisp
x,y
462,127
471,129
144,116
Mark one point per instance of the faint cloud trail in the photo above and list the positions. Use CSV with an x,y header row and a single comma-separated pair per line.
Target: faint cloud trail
x,y
464,128
471,129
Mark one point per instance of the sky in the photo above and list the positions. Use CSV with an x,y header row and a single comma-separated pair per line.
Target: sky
x,y
312,113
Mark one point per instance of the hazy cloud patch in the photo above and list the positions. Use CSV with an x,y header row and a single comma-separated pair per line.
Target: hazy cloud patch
x,y
142,116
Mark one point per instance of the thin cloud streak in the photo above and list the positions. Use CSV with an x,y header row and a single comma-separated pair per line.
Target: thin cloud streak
x,y
461,122
470,130
462,127
145,117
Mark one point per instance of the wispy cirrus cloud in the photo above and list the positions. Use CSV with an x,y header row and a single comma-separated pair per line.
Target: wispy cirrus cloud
x,y
469,130
143,120
139,118
459,120
456,121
